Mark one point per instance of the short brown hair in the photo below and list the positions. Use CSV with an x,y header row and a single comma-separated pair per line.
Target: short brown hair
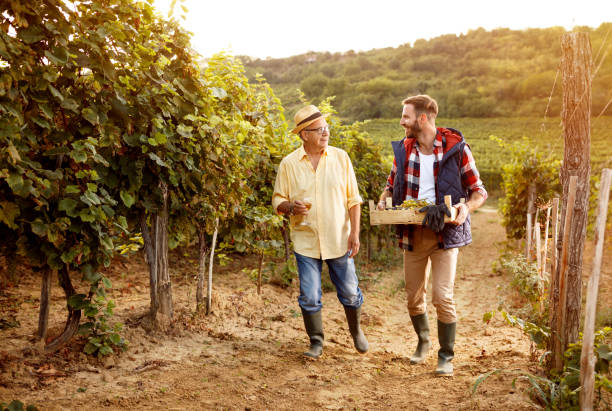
x,y
423,104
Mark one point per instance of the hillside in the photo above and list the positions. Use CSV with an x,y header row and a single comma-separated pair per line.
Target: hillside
x,y
483,73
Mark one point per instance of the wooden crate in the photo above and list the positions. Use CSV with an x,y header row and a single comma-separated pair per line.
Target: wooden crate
x,y
404,216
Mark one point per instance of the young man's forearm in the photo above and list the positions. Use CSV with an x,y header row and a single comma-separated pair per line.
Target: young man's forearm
x,y
386,193
475,201
382,201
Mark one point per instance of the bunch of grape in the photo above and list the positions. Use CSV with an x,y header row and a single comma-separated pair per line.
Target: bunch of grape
x,y
413,204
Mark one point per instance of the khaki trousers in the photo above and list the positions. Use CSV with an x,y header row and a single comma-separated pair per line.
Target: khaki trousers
x,y
443,269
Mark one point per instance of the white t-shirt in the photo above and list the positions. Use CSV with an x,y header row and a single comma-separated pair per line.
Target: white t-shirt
x,y
427,183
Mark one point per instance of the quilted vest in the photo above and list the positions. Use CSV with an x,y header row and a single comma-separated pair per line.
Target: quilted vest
x,y
448,182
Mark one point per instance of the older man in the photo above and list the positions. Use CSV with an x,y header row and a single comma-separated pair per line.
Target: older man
x,y
430,163
316,187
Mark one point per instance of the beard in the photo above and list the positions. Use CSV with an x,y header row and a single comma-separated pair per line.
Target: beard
x,y
413,130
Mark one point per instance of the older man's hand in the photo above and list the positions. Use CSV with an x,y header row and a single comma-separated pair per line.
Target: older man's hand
x,y
300,208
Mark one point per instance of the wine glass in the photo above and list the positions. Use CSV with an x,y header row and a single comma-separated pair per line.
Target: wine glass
x,y
308,203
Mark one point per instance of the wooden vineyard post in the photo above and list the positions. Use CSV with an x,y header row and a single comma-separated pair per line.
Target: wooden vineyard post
x,y
559,341
538,242
553,287
210,267
587,358
261,259
369,244
530,211
537,216
545,251
576,74
576,70
555,228
528,238
202,254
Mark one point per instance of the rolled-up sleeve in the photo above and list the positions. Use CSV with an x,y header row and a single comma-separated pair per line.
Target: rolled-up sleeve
x,y
281,186
352,189
470,176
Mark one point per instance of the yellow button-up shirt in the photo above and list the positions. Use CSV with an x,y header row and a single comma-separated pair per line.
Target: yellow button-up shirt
x,y
333,190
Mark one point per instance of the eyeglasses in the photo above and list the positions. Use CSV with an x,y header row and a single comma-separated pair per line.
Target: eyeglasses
x,y
319,130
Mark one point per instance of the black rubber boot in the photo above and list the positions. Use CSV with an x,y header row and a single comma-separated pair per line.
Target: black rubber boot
x,y
314,329
446,336
421,327
353,315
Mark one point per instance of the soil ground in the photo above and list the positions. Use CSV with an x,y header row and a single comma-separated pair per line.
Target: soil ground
x,y
248,353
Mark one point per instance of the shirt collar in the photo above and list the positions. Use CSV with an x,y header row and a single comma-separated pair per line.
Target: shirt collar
x,y
302,152
437,142
438,139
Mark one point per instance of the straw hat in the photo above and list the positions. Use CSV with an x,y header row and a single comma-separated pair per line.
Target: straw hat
x,y
305,116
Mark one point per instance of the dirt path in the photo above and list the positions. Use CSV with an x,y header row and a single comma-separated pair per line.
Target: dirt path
x,y
247,355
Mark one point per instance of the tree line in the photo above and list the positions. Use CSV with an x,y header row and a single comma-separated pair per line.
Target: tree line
x,y
497,73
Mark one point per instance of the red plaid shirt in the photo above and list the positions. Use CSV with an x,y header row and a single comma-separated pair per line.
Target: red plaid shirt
x,y
470,177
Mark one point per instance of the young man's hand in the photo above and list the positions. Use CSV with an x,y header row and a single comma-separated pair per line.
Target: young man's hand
x,y
462,213
434,217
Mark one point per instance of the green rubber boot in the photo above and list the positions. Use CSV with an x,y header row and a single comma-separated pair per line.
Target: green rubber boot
x,y
421,327
446,336
314,329
353,315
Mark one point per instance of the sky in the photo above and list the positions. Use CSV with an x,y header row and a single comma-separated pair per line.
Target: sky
x,y
283,28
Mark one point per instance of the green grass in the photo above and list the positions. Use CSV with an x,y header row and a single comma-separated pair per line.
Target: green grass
x,y
545,134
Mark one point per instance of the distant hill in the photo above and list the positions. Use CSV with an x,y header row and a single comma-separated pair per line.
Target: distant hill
x,y
483,73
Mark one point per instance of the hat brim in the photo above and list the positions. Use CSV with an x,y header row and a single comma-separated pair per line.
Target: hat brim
x,y
306,124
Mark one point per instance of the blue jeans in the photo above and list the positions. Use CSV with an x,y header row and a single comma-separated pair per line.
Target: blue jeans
x,y
342,274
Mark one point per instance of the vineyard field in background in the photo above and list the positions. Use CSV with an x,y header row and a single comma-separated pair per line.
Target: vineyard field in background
x,y
544,134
